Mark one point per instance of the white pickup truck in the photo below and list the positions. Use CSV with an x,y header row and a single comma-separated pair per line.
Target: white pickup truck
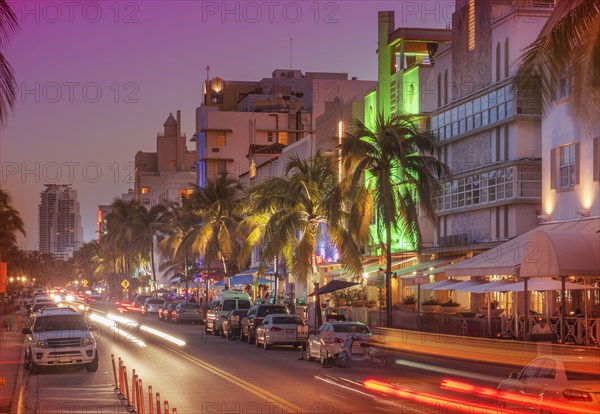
x,y
221,306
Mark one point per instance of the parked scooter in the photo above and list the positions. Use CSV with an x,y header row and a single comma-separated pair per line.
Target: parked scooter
x,y
375,356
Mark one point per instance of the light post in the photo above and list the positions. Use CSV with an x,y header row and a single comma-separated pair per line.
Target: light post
x,y
380,279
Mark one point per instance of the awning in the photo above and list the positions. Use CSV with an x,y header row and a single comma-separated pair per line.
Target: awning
x,y
371,268
410,271
507,258
333,286
247,280
542,285
467,285
491,286
441,285
253,271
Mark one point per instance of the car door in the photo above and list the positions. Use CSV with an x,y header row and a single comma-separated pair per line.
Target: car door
x,y
544,377
528,377
315,340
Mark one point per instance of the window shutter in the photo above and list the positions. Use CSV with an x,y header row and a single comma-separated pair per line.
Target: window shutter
x,y
597,159
577,148
553,168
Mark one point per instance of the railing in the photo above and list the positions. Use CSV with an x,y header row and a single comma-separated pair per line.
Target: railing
x,y
575,329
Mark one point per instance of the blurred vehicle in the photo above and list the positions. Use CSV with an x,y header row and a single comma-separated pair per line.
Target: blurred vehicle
x,y
37,306
59,336
220,307
164,311
187,312
328,340
364,352
570,379
279,329
139,300
151,305
255,317
231,326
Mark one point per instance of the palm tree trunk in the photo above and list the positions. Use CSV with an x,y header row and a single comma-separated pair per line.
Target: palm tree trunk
x,y
388,273
185,273
153,266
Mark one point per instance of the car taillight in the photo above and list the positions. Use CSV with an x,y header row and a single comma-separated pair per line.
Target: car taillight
x,y
275,329
338,341
576,395
258,321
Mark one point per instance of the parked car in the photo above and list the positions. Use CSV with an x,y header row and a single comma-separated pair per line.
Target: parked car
x,y
139,300
187,312
327,341
59,336
255,316
151,305
573,380
279,329
164,311
221,306
37,306
231,326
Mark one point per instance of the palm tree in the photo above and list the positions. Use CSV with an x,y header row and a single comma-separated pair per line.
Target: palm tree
x,y
153,224
10,224
308,200
395,162
569,44
8,25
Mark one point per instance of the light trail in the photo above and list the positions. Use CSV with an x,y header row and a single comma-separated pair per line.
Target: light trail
x,y
162,335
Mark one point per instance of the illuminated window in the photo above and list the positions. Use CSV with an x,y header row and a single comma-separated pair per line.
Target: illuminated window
x,y
471,26
282,138
145,190
222,166
567,167
252,169
185,192
221,138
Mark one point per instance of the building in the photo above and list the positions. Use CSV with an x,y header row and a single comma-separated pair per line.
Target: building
x,y
169,173
242,125
103,210
60,230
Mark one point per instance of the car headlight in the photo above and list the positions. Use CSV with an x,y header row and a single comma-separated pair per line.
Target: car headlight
x,y
40,344
87,341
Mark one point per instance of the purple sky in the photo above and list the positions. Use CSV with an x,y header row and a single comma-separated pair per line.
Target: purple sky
x,y
98,79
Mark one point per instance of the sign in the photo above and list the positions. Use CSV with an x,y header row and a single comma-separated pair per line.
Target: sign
x,y
85,282
380,279
419,277
302,332
125,284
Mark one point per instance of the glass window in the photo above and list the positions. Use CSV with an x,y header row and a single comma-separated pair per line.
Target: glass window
x,y
509,108
461,111
434,122
492,99
485,118
501,112
485,102
446,117
454,114
448,131
476,105
454,129
493,115
501,96
462,126
477,121
469,108
469,123
567,166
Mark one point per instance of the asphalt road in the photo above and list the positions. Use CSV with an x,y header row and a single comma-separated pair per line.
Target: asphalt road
x,y
211,375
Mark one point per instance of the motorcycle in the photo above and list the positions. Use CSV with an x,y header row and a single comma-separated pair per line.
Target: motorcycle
x,y
375,356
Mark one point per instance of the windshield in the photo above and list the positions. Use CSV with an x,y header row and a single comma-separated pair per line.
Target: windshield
x,y
288,320
59,323
243,304
267,310
190,306
351,328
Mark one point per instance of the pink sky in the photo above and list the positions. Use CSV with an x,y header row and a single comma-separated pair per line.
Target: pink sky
x,y
98,79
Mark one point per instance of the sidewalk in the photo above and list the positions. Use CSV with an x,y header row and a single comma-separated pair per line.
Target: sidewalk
x,y
11,368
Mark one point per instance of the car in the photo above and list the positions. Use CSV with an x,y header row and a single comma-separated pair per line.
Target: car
x,y
327,341
57,336
279,329
572,380
151,305
221,306
164,311
255,316
139,300
37,306
187,312
230,327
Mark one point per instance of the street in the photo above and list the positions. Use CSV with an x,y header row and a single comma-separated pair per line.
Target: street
x,y
211,375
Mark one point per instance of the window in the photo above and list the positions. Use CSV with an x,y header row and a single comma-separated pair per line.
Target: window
x,y
471,26
446,87
282,137
270,136
185,193
222,166
498,62
145,190
564,163
596,164
439,90
506,59
221,138
563,89
252,170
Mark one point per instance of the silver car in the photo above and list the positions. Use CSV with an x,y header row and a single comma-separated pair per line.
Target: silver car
x,y
327,341
151,305
279,329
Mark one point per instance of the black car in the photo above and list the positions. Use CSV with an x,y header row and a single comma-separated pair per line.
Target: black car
x,y
255,316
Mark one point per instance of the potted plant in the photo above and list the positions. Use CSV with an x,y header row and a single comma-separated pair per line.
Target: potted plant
x,y
449,306
430,305
408,303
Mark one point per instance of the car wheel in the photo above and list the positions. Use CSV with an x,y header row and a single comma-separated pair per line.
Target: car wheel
x,y
306,352
342,360
92,366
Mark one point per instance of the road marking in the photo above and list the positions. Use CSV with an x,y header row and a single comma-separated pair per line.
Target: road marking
x,y
258,391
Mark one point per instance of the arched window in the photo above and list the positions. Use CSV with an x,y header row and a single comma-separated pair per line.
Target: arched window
x,y
498,62
446,87
506,59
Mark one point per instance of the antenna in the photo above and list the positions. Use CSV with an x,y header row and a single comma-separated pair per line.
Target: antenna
x,y
291,54
207,72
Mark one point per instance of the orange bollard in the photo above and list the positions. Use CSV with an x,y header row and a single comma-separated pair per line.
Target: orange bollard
x,y
112,357
158,403
122,396
174,410
166,407
150,399
141,404
133,390
126,386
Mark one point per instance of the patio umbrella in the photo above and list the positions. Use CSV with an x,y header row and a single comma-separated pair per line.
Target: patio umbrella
x,y
333,286
490,286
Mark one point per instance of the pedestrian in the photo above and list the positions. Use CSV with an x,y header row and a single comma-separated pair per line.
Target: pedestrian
x,y
541,327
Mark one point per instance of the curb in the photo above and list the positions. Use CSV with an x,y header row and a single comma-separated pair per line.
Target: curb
x,y
14,402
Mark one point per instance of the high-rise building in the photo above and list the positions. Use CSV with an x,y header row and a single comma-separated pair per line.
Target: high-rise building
x,y
60,228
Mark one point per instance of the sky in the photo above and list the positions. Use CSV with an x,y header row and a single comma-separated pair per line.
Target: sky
x,y
97,79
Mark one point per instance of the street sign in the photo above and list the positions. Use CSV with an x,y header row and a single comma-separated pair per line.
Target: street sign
x,y
85,282
125,284
380,280
419,276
